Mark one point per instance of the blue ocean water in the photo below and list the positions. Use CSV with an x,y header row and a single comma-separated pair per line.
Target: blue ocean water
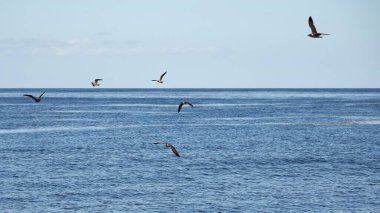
x,y
242,150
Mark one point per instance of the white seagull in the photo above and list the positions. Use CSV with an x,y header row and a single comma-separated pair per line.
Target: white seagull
x,y
161,81
314,33
183,103
95,83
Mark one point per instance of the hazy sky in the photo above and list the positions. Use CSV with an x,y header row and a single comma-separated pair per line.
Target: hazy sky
x,y
204,43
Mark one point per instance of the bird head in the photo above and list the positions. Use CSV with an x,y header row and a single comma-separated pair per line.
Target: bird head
x,y
309,35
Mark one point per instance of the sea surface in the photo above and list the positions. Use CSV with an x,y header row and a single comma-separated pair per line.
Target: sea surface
x,y
242,150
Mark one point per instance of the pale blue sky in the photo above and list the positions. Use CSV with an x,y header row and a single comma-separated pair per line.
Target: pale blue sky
x,y
204,43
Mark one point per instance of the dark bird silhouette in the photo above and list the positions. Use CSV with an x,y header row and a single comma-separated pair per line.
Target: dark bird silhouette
x,y
183,103
95,82
314,32
36,99
162,76
174,150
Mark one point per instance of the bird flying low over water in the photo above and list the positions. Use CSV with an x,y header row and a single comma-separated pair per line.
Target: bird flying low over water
x,y
162,76
183,103
314,33
95,83
36,99
174,150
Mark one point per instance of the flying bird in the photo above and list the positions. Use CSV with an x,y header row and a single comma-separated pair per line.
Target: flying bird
x,y
314,33
183,103
174,150
95,83
36,99
162,76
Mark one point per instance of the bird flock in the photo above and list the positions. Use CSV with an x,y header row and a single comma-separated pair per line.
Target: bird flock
x,y
314,34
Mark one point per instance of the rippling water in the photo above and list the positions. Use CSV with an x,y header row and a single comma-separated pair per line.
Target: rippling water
x,y
242,150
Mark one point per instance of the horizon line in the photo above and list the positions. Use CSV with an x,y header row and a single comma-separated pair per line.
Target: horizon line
x,y
190,88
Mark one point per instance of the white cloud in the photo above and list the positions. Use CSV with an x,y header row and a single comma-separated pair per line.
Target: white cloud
x,y
90,47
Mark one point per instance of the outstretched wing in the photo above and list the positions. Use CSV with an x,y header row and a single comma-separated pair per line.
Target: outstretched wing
x,y
174,150
96,80
42,94
31,97
312,27
188,103
180,106
162,76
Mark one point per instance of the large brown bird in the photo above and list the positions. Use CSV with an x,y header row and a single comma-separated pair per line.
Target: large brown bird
x,y
314,32
183,103
174,150
36,99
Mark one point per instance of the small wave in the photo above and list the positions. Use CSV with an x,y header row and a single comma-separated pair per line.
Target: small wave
x,y
136,105
92,128
368,122
117,105
7,104
250,118
107,112
232,105
75,128
90,111
49,129
332,123
296,160
232,119
72,119
329,123
362,120
86,111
